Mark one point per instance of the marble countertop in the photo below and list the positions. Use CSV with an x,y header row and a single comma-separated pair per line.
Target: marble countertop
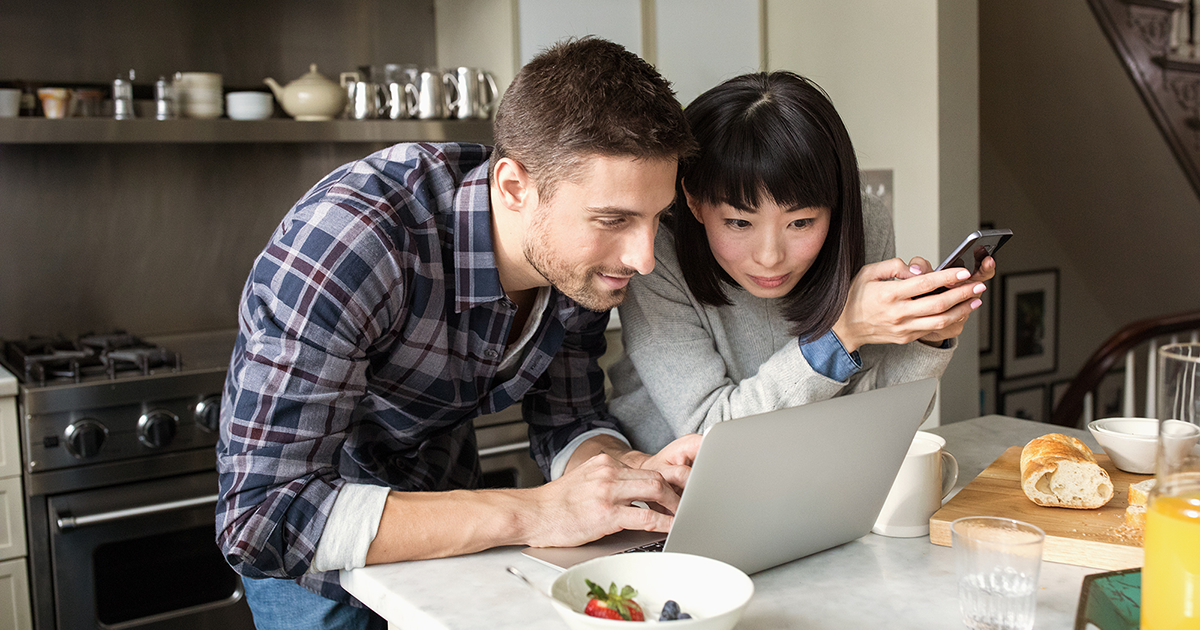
x,y
872,582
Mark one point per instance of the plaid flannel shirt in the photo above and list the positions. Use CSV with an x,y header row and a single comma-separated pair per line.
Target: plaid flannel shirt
x,y
371,329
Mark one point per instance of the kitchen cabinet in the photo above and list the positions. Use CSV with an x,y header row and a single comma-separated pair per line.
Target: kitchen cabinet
x,y
12,519
12,511
183,131
14,580
14,596
10,452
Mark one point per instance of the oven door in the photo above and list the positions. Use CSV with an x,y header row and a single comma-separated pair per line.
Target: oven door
x,y
143,556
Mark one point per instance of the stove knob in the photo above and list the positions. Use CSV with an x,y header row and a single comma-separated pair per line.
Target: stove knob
x,y
208,413
156,429
85,437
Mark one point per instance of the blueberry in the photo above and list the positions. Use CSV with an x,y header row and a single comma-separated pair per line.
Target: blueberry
x,y
684,615
670,610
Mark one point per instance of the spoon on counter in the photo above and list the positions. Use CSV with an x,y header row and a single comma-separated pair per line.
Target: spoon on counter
x,y
517,572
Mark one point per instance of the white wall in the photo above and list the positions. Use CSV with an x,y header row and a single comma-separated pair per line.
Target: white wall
x,y
700,43
896,83
544,22
479,33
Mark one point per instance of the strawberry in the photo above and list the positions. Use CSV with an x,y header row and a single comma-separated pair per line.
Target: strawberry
x,y
613,605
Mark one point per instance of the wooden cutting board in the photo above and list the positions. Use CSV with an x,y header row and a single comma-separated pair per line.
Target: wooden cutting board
x,y
1088,538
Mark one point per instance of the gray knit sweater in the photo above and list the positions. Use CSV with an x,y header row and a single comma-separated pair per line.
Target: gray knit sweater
x,y
687,366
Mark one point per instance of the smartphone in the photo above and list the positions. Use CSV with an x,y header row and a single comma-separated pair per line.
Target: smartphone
x,y
977,246
970,253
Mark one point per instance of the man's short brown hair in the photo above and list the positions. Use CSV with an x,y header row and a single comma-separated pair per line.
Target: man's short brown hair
x,y
587,97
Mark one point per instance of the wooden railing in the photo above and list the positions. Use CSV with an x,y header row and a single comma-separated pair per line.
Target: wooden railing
x,y
1157,43
1138,340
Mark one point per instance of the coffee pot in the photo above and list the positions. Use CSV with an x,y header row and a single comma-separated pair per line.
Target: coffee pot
x,y
364,100
476,93
437,94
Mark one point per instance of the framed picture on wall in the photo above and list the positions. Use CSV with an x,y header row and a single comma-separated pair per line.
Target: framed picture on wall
x,y
1108,400
987,392
1029,323
1057,390
1028,403
984,313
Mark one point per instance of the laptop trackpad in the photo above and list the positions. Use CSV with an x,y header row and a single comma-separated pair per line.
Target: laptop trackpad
x,y
566,557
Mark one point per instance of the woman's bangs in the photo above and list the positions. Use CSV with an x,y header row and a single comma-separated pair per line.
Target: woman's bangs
x,y
800,166
777,162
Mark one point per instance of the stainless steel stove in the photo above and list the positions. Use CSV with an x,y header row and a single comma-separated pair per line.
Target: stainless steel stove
x,y
118,435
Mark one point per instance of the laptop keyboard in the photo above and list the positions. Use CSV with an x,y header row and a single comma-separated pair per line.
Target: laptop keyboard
x,y
650,546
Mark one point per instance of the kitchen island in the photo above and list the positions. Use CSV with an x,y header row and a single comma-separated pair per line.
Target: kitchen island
x,y
872,582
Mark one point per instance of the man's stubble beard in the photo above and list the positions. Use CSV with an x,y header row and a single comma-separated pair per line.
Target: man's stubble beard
x,y
580,286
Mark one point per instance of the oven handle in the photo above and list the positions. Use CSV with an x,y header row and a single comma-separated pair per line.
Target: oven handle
x,y
504,448
68,522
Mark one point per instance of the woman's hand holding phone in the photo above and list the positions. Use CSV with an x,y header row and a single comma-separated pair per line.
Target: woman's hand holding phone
x,y
881,307
986,271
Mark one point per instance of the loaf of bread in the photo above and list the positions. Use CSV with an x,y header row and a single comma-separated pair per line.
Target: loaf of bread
x,y
1139,493
1060,471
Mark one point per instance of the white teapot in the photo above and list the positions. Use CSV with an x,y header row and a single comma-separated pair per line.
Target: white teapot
x,y
310,97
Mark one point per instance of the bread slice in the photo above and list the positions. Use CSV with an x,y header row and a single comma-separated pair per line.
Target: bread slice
x,y
1135,516
1139,492
1060,471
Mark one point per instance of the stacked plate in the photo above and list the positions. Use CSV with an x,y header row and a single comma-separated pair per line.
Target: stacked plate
x,y
199,94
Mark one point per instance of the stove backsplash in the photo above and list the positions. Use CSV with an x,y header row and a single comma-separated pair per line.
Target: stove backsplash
x,y
151,239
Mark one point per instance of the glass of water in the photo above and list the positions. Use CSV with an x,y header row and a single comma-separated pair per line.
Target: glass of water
x,y
998,561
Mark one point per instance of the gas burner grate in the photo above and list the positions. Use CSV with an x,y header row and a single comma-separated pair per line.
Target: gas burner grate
x,y
49,359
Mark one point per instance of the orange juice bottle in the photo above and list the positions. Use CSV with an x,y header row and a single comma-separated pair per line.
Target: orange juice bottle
x,y
1171,575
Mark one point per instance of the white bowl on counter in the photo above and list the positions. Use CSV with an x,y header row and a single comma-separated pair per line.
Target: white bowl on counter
x,y
1131,443
713,592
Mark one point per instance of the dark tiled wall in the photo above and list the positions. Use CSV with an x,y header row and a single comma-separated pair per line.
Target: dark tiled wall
x,y
159,237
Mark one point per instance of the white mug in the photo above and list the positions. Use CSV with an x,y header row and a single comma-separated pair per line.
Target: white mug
x,y
10,102
927,475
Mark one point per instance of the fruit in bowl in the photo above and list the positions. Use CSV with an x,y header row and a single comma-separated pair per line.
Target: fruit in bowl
x,y
612,604
707,594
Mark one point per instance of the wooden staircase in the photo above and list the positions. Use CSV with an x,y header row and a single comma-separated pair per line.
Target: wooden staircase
x,y
1158,46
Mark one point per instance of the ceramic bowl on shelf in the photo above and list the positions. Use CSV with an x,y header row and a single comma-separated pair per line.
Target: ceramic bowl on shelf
x,y
249,105
714,593
1131,443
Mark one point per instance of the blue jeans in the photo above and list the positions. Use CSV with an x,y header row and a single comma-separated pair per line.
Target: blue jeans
x,y
285,605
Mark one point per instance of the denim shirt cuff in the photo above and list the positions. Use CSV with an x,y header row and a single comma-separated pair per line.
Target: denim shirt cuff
x,y
829,358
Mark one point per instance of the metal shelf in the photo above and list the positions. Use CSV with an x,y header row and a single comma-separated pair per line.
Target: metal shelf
x,y
275,130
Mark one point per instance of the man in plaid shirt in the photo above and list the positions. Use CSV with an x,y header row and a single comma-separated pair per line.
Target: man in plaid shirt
x,y
424,285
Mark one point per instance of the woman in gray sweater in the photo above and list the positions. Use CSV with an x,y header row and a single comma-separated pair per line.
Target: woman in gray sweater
x,y
776,282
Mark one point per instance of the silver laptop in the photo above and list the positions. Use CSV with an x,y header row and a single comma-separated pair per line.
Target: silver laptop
x,y
770,488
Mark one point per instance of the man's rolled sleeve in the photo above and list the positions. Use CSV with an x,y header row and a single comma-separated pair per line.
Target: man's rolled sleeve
x,y
350,528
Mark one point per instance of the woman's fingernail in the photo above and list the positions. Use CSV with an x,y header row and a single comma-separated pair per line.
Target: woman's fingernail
x,y
915,269
976,304
979,288
963,275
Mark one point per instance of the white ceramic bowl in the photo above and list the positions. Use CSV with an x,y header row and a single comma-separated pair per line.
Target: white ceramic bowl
x,y
249,105
712,592
1131,443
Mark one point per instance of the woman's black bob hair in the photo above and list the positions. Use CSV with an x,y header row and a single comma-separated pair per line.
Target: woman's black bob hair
x,y
772,136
